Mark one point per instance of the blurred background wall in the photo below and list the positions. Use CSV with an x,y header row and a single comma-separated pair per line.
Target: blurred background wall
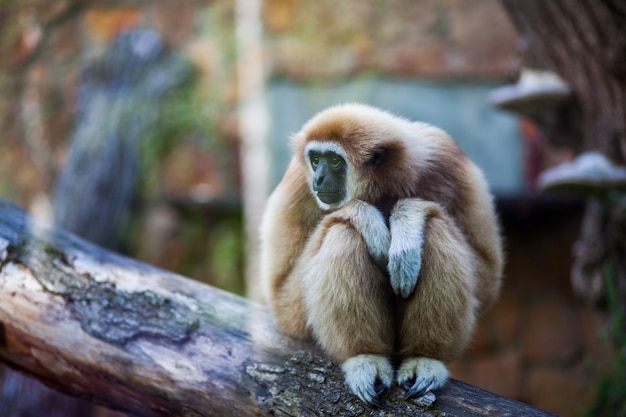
x,y
195,150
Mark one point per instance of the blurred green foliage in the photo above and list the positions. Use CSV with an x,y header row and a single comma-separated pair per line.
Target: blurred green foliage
x,y
611,394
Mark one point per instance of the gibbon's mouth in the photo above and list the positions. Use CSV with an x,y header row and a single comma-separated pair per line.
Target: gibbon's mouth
x,y
329,197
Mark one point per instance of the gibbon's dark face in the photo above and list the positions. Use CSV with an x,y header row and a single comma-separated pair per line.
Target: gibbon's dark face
x,y
329,176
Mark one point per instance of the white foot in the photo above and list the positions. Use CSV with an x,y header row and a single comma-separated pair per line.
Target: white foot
x,y
368,376
420,375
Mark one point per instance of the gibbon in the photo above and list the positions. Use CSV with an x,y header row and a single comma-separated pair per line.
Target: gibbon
x,y
381,243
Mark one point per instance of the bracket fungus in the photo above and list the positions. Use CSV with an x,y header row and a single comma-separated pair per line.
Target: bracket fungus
x,y
594,176
591,174
537,95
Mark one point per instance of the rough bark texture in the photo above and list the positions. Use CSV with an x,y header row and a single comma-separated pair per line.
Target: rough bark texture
x,y
583,41
135,338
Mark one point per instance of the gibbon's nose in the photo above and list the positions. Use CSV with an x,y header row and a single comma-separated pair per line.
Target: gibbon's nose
x,y
320,176
319,180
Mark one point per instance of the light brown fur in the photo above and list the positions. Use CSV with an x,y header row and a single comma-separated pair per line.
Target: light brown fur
x,y
320,279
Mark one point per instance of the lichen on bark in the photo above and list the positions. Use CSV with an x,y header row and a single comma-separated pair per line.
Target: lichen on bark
x,y
103,310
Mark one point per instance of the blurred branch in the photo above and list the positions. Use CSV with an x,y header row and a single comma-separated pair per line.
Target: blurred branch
x,y
18,58
71,10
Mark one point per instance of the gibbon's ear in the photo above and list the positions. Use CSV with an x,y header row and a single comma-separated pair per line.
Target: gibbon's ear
x,y
377,157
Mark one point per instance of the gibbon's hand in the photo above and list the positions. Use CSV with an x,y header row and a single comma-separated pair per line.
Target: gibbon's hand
x,y
407,240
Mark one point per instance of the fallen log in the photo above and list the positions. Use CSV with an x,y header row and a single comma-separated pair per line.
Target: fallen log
x,y
135,338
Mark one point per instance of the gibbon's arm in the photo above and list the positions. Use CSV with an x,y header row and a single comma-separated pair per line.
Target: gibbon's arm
x,y
370,224
408,222
283,242
287,222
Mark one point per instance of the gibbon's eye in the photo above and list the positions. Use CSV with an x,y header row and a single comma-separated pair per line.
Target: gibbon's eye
x,y
315,161
336,161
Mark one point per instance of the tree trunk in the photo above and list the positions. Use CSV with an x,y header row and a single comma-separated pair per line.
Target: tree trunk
x,y
584,41
138,339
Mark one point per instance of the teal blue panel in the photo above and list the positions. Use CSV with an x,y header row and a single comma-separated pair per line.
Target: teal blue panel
x,y
488,136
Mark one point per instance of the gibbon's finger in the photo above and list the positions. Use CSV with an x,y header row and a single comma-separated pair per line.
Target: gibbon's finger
x,y
420,387
368,395
368,376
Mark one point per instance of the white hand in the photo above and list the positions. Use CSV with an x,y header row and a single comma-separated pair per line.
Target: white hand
x,y
405,251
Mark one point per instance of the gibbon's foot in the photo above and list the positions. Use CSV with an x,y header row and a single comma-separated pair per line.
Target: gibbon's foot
x,y
420,375
368,376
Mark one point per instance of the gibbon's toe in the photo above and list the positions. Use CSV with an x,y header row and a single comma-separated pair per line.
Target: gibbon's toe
x,y
420,375
368,376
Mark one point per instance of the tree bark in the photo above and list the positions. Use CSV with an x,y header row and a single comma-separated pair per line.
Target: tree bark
x,y
584,42
138,339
